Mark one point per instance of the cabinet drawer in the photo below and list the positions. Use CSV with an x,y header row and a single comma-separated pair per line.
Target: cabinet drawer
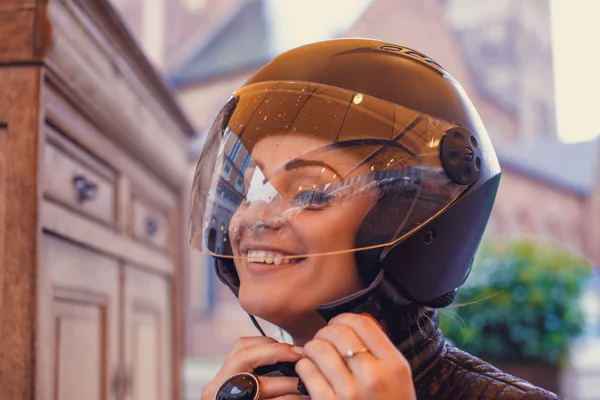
x,y
77,180
150,223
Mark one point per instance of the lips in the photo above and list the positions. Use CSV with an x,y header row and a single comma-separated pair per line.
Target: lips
x,y
267,255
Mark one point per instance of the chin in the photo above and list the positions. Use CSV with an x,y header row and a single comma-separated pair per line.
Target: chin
x,y
278,308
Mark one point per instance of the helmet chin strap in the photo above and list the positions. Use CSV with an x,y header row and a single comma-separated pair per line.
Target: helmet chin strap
x,y
372,300
367,300
256,324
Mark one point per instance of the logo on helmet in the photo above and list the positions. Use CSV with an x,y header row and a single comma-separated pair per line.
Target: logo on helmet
x,y
415,55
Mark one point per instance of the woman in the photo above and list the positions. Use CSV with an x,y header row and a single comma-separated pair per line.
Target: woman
x,y
343,191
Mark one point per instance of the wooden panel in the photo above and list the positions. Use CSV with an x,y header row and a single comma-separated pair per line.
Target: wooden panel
x,y
25,30
86,68
148,335
78,352
105,20
20,92
63,114
75,179
102,23
3,173
146,357
180,245
149,223
70,225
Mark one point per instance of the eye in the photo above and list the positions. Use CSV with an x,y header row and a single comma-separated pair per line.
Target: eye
x,y
312,199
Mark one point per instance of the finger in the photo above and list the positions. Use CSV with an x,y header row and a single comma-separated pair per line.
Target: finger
x,y
332,366
289,397
249,358
252,341
272,387
343,338
369,332
244,342
316,384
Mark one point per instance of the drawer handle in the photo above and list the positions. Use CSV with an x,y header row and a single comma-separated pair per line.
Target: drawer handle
x,y
86,190
151,227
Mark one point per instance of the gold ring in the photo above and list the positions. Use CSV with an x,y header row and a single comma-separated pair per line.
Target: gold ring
x,y
352,352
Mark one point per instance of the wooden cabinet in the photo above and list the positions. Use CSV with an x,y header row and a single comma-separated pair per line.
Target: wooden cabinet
x,y
81,318
147,334
93,181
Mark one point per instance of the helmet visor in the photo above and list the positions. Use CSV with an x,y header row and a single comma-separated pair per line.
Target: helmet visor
x,y
284,157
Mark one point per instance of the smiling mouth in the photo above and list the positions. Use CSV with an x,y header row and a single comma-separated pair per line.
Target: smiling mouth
x,y
269,257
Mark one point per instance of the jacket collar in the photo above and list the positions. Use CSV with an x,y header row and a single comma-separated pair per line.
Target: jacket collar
x,y
422,343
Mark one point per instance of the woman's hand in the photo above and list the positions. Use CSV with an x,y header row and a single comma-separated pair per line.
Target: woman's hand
x,y
249,353
377,370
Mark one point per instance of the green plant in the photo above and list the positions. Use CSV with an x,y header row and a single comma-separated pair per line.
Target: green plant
x,y
520,303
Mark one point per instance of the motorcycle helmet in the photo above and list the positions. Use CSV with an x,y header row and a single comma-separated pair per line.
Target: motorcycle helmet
x,y
388,123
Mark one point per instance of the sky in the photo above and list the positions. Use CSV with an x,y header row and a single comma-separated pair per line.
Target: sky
x,y
307,21
575,34
576,37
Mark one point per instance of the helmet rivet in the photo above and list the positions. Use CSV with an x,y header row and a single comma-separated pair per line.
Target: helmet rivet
x,y
429,236
358,98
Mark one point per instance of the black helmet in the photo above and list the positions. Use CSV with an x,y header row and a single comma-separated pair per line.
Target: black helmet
x,y
377,121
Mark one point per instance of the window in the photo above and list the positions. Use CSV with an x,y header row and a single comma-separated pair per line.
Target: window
x,y
524,224
235,150
553,230
239,184
545,119
226,172
495,225
245,163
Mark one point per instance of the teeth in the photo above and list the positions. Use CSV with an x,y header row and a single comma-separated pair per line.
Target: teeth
x,y
261,256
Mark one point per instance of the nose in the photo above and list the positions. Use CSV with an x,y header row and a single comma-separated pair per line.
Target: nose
x,y
262,214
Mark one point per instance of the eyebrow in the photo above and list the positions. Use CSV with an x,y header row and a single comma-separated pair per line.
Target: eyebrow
x,y
307,163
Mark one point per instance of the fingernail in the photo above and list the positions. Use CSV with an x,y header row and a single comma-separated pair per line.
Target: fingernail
x,y
373,318
298,350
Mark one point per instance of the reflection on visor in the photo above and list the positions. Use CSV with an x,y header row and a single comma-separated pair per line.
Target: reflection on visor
x,y
297,153
301,197
260,189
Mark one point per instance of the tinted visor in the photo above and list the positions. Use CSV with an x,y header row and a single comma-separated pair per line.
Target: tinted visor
x,y
284,156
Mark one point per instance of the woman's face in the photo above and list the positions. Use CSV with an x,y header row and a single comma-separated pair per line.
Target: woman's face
x,y
266,235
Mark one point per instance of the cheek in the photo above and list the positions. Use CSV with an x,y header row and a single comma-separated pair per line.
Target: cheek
x,y
234,227
336,277
334,228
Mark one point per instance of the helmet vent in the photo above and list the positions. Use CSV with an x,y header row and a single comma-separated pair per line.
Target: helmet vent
x,y
461,155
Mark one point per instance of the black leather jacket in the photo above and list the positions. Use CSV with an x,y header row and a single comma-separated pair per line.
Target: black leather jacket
x,y
441,371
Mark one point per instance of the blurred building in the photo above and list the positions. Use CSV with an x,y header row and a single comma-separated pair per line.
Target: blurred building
x,y
168,30
508,46
551,189
500,52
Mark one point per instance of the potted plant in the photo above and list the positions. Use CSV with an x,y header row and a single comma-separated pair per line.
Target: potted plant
x,y
520,308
